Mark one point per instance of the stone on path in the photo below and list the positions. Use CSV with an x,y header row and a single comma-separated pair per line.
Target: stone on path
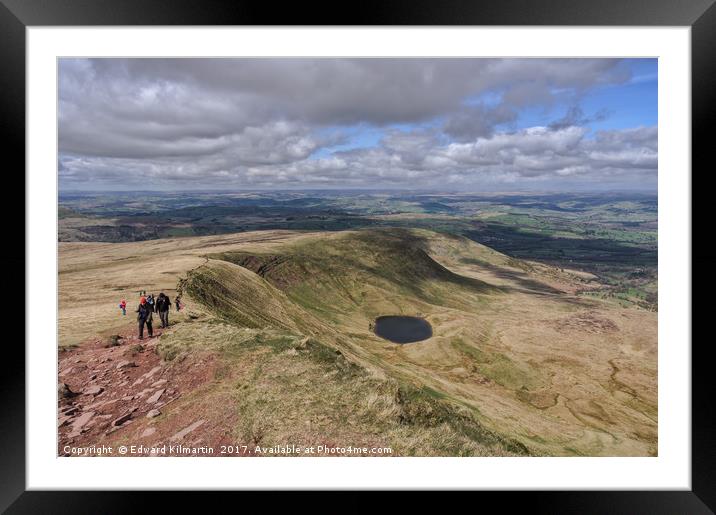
x,y
93,390
153,413
154,398
123,418
181,434
65,391
152,372
125,364
102,403
144,392
117,428
70,410
148,432
79,423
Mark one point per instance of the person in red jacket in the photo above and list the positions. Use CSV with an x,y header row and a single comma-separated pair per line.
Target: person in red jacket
x,y
123,306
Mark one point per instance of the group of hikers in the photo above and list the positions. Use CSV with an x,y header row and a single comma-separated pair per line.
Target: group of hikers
x,y
149,305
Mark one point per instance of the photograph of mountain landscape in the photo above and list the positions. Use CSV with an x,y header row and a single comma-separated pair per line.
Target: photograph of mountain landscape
x,y
357,257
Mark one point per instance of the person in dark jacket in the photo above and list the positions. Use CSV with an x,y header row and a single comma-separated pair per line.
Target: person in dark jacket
x,y
162,306
178,304
144,316
151,302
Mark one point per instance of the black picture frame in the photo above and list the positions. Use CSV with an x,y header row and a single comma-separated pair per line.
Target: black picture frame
x,y
17,15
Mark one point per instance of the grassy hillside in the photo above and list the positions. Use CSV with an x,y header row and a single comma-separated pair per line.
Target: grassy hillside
x,y
341,275
271,386
519,361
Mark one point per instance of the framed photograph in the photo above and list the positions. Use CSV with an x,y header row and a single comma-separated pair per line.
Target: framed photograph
x,y
443,247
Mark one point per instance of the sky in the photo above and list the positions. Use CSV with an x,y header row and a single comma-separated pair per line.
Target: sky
x,y
437,124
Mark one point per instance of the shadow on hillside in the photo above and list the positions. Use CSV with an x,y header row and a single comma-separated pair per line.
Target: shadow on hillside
x,y
520,278
525,284
409,251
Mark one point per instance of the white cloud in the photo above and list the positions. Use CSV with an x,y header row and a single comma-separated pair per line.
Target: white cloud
x,y
260,122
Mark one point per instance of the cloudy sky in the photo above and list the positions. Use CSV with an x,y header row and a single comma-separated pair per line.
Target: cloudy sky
x,y
440,124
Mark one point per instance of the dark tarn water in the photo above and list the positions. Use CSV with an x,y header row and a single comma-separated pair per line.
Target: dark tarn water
x,y
400,329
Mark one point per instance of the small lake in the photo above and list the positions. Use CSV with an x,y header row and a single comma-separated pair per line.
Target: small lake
x,y
402,329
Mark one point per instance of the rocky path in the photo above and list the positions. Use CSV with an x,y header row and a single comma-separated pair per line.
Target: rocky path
x,y
106,385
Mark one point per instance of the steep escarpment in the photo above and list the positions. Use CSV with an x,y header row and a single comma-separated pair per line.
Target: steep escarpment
x,y
336,274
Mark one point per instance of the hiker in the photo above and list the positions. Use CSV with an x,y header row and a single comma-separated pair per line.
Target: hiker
x,y
176,301
150,301
162,305
144,316
123,306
